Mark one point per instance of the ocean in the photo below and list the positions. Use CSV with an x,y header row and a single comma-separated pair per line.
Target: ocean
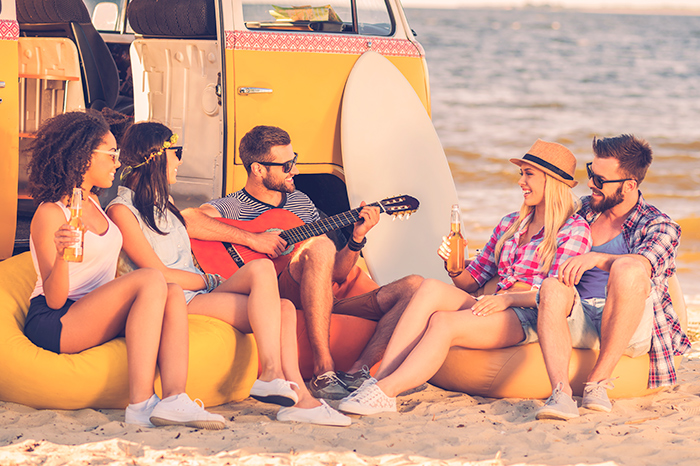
x,y
500,79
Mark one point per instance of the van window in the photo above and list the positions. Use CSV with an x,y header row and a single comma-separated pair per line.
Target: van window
x,y
107,15
334,16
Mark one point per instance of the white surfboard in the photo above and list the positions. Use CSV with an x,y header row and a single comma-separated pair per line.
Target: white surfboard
x,y
390,147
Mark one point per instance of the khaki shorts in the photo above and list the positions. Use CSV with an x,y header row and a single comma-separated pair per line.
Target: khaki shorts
x,y
364,305
584,326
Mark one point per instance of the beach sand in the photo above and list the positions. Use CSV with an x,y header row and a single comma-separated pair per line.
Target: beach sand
x,y
432,426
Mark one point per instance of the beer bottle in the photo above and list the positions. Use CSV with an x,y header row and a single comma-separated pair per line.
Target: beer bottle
x,y
455,263
75,253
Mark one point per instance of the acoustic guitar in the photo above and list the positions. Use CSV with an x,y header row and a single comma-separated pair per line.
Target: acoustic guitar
x,y
226,258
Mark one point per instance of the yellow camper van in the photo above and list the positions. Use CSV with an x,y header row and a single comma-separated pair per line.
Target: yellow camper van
x,y
209,69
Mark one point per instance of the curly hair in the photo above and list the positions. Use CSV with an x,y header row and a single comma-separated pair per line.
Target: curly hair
x,y
149,181
118,122
61,153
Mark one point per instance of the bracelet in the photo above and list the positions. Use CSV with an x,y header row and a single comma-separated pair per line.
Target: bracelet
x,y
454,274
212,280
355,246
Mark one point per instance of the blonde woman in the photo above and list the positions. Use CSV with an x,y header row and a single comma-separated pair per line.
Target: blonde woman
x,y
524,249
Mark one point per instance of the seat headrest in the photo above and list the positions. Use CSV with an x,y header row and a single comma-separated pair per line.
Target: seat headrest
x,y
52,11
173,18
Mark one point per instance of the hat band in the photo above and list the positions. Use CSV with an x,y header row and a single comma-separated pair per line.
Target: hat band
x,y
549,166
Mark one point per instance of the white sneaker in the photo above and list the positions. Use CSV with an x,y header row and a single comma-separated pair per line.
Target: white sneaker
x,y
179,410
278,391
322,415
140,417
368,399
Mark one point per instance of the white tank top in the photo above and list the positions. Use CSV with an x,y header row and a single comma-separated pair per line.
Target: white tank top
x,y
99,265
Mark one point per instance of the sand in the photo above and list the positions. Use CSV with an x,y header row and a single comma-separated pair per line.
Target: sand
x,y
432,426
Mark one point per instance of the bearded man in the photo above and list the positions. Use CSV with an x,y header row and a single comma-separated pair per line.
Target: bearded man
x,y
614,298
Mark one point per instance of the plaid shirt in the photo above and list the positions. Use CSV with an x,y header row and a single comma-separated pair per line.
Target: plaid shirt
x,y
522,263
652,234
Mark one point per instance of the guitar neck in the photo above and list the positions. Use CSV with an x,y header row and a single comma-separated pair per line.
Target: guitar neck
x,y
336,222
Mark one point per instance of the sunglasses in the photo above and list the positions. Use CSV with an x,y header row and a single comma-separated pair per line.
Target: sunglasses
x,y
113,153
178,151
598,182
286,166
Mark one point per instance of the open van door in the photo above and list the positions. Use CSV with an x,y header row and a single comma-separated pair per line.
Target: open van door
x,y
9,126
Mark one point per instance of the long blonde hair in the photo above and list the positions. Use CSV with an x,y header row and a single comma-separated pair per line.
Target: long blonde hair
x,y
559,205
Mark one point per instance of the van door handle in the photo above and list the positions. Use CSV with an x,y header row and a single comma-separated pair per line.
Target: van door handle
x,y
253,90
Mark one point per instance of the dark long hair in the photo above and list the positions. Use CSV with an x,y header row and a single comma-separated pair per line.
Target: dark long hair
x,y
62,152
149,181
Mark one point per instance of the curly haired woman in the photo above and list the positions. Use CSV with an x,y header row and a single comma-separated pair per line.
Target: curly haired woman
x,y
79,305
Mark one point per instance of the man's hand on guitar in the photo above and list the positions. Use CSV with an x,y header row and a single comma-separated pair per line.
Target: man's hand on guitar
x,y
268,242
369,217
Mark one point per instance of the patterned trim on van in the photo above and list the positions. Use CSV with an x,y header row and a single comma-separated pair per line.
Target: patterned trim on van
x,y
320,43
9,29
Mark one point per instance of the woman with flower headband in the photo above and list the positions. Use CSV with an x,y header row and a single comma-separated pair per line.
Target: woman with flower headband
x,y
525,248
155,237
79,305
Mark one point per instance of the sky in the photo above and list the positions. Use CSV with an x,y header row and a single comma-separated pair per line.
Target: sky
x,y
593,4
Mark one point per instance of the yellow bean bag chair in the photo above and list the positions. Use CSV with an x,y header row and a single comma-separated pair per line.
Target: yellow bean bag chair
x,y
222,365
519,371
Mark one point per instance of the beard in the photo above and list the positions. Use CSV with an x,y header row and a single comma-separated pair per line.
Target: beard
x,y
608,202
279,186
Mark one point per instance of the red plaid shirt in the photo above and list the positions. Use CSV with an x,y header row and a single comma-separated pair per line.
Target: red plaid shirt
x,y
652,234
522,263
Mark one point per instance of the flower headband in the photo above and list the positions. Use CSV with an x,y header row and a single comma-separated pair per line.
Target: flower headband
x,y
166,145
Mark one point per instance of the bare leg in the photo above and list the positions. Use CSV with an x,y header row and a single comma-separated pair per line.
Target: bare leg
x,y
290,356
628,289
249,301
556,301
432,296
312,268
445,330
174,352
134,305
393,300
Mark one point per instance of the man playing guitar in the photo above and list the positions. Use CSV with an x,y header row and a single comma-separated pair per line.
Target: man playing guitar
x,y
267,154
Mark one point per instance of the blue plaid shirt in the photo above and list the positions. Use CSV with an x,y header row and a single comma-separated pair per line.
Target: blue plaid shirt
x,y
652,234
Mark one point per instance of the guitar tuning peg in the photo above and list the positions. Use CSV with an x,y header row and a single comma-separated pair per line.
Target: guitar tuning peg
x,y
393,217
408,215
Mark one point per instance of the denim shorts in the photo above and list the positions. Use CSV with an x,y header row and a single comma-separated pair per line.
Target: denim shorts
x,y
528,320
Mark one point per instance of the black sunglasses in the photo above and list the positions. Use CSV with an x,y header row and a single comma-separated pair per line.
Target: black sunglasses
x,y
598,182
178,151
286,166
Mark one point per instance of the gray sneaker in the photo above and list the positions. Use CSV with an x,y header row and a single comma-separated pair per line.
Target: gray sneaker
x,y
558,406
353,380
595,395
328,386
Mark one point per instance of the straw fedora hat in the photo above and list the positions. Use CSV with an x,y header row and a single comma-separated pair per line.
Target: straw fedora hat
x,y
553,159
